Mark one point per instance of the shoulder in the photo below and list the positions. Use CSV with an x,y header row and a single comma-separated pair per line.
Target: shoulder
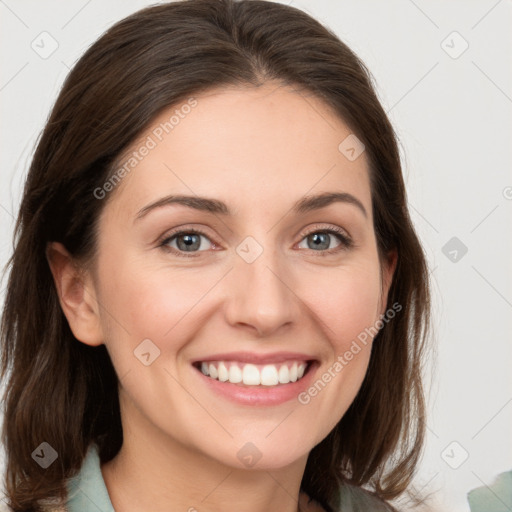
x,y
493,497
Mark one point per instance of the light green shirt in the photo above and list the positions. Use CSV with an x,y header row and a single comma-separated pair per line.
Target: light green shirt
x,y
87,492
494,498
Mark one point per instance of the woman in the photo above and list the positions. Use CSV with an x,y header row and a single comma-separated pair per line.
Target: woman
x,y
217,300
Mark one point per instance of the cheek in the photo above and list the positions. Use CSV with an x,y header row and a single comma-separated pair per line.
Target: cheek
x,y
151,302
345,301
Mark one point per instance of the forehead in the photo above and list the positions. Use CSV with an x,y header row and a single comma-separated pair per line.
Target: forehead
x,y
249,146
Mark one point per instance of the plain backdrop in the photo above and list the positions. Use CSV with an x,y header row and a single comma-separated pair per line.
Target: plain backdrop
x,y
443,74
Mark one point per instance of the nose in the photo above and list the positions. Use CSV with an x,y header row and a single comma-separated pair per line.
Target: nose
x,y
261,296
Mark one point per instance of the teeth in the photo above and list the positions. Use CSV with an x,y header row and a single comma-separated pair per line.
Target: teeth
x,y
223,372
212,370
269,375
250,375
235,374
284,374
254,375
293,372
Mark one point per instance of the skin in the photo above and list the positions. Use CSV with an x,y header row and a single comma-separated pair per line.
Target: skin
x,y
259,150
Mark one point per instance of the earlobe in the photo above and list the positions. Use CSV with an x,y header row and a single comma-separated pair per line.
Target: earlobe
x,y
76,295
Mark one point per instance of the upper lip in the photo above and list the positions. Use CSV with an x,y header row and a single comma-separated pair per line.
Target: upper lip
x,y
256,358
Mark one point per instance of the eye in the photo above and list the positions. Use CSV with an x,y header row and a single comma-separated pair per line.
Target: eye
x,y
320,240
185,241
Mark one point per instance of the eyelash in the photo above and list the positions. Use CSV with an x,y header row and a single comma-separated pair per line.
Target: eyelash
x,y
346,242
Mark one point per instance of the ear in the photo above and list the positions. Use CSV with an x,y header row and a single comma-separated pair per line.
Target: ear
x,y
77,295
388,271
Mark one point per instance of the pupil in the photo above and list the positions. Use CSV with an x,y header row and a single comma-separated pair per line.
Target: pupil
x,y
317,240
189,242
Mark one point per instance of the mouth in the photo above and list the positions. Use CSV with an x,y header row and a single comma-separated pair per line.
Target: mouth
x,y
255,375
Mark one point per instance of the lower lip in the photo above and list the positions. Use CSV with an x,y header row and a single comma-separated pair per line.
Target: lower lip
x,y
260,395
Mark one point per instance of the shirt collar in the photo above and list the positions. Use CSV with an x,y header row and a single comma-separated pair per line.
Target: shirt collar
x,y
87,491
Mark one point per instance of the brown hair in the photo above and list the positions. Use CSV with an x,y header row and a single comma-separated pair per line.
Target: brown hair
x,y
65,392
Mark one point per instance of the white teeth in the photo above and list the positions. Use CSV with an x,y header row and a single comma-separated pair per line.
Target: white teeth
x,y
269,376
284,374
223,372
254,375
293,372
251,375
212,369
235,374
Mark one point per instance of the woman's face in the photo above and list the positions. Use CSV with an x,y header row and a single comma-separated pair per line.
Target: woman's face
x,y
244,279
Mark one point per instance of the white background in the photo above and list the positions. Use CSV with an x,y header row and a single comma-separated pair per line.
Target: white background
x,y
453,118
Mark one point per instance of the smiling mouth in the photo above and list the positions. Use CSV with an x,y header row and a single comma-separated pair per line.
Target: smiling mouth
x,y
248,374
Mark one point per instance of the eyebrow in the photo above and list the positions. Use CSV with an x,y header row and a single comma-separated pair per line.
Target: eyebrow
x,y
302,206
